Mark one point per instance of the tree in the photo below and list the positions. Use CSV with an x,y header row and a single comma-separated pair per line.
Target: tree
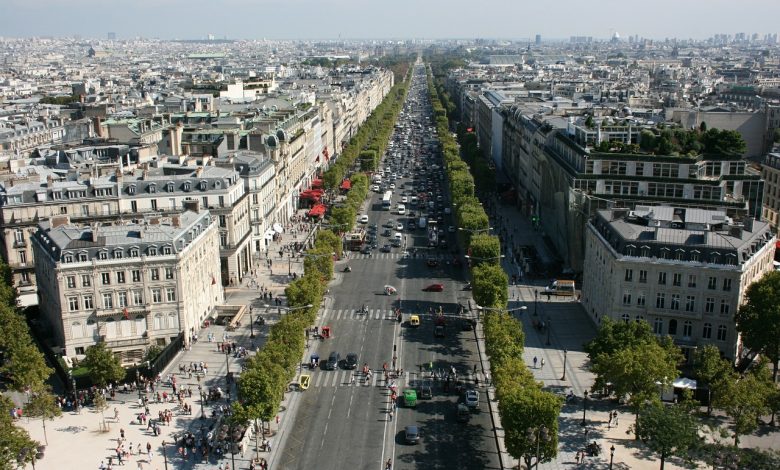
x,y
261,389
14,441
758,319
101,405
667,430
523,411
745,400
102,365
613,336
711,370
703,127
490,286
28,367
43,404
484,249
589,122
723,142
647,140
637,371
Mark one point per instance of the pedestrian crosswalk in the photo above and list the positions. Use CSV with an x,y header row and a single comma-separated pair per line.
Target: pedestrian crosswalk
x,y
421,257
343,378
356,314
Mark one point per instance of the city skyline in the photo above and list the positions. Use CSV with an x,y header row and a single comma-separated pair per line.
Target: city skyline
x,y
404,19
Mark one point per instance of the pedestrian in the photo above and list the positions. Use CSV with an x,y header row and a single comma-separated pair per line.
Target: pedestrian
x,y
542,363
122,434
352,380
389,464
577,457
391,415
535,360
609,422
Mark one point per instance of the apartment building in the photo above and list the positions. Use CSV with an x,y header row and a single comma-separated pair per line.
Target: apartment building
x,y
770,173
130,285
683,270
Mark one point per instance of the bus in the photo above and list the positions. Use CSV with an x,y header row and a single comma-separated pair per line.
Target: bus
x,y
387,200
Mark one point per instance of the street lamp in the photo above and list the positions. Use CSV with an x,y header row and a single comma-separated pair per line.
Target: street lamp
x,y
584,408
538,435
476,230
227,372
564,365
548,330
251,322
292,309
138,380
491,309
536,300
202,397
611,455
165,455
475,258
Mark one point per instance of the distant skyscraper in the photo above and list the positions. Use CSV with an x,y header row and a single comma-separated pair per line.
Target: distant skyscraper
x,y
538,39
111,36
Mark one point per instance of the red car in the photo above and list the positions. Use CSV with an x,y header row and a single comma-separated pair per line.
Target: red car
x,y
434,288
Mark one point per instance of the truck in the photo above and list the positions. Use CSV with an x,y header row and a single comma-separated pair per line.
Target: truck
x,y
422,223
387,200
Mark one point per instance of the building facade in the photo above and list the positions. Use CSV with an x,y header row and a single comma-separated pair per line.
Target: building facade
x,y
684,271
131,285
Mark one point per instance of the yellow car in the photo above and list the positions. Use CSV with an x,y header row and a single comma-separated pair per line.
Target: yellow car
x,y
414,320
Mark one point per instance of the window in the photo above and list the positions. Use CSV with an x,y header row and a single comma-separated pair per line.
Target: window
x,y
223,240
642,276
134,252
73,303
709,305
108,301
80,350
658,326
660,299
19,236
727,284
138,297
626,299
136,275
672,327
152,251
172,203
168,273
724,307
640,300
706,332
167,250
675,303
677,279
662,279
690,303
695,256
118,254
154,204
712,283
88,304
170,187
82,256
103,255
106,277
71,282
120,277
170,294
67,258
625,317
134,206
152,188
722,331
131,189
687,328
85,210
154,274
156,296
222,221
639,318
691,280
121,299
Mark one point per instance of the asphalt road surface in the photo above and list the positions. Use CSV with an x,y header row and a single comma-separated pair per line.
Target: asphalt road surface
x,y
346,424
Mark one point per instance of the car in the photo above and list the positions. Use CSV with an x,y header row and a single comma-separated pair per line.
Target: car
x,y
389,223
414,321
410,397
386,248
432,262
392,185
424,390
468,286
412,434
434,288
387,232
363,219
463,413
333,361
472,399
399,226
404,199
351,361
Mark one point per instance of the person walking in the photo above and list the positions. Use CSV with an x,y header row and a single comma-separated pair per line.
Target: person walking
x,y
542,363
535,361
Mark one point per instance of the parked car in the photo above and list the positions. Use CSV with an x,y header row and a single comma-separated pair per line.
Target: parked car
x,y
472,399
411,434
434,288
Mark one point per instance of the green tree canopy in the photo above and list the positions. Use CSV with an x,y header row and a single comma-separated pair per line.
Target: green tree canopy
x,y
744,400
102,365
524,411
614,336
484,249
711,370
13,439
758,319
667,430
490,286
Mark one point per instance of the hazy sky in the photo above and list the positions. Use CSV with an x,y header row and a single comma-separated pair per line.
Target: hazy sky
x,y
307,19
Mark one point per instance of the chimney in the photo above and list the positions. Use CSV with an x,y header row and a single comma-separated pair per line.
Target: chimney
x,y
58,220
95,232
49,181
176,221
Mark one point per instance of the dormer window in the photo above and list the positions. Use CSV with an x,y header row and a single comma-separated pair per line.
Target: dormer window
x,y
68,258
152,251
103,255
204,185
187,186
83,256
218,184
170,186
152,188
134,252
118,254
167,250
131,189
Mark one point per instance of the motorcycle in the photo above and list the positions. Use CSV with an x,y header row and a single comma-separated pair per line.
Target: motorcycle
x,y
347,269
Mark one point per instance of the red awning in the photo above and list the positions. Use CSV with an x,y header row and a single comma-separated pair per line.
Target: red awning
x,y
317,211
311,194
346,184
316,183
